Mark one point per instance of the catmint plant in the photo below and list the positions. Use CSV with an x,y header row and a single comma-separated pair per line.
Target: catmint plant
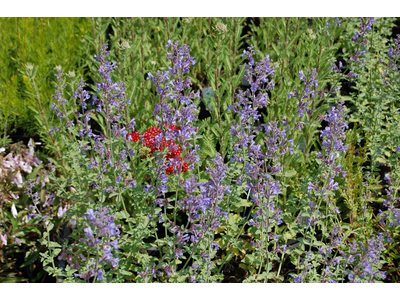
x,y
259,167
255,191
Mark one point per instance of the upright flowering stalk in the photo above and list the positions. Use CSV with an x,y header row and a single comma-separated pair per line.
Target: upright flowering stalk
x,y
333,143
306,104
249,101
390,218
259,167
392,67
112,102
264,188
112,95
333,137
360,37
176,112
59,96
209,211
174,137
307,92
394,54
203,208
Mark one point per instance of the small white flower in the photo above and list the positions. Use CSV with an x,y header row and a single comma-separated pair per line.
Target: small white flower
x,y
14,211
3,239
2,149
29,66
72,223
15,197
221,28
25,167
125,45
61,212
310,31
18,179
186,20
58,68
153,62
313,36
71,74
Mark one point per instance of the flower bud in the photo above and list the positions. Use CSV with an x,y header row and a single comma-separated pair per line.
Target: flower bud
x,y
14,211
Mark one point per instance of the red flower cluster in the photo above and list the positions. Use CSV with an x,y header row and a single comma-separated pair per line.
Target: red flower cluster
x,y
133,136
174,148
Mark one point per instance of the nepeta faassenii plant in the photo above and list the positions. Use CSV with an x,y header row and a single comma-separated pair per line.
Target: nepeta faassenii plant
x,y
137,214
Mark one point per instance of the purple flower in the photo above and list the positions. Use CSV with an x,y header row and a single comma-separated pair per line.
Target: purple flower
x,y
168,269
88,232
114,244
178,253
160,218
366,25
311,186
307,92
335,68
100,274
351,74
302,76
54,129
297,279
145,274
333,137
387,177
148,188
90,215
383,273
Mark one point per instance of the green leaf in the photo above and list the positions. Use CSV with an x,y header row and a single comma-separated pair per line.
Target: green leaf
x,y
54,245
126,273
290,173
32,258
50,226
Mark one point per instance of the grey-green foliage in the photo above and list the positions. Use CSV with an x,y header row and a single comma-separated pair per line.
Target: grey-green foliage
x,y
375,105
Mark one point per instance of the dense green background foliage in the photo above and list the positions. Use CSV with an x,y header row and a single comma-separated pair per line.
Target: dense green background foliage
x,y
42,42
